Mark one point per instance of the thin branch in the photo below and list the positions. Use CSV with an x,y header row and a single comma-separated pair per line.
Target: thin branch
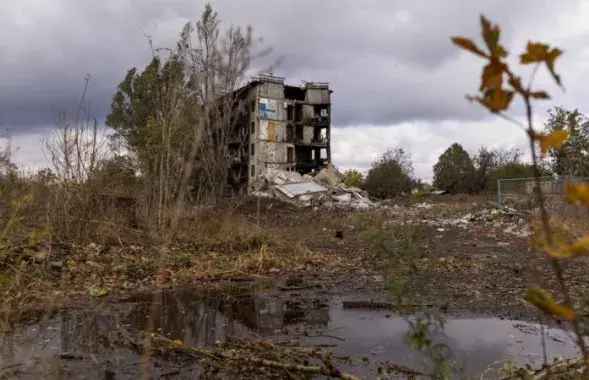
x,y
548,230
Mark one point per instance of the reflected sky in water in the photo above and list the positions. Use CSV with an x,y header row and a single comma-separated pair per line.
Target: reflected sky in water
x,y
200,320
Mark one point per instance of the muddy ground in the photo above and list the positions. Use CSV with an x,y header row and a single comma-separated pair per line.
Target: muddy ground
x,y
471,262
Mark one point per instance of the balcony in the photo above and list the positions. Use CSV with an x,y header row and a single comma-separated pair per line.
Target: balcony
x,y
322,122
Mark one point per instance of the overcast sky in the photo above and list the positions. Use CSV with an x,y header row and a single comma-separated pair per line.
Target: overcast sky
x,y
397,80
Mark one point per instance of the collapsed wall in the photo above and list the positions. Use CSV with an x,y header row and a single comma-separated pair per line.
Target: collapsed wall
x,y
324,189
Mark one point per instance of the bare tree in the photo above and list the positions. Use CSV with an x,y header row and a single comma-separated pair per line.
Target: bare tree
x,y
75,148
217,66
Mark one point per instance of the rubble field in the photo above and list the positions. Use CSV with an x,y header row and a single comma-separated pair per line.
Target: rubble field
x,y
475,256
473,260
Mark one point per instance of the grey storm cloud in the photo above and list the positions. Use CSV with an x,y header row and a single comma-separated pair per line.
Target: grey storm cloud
x,y
387,61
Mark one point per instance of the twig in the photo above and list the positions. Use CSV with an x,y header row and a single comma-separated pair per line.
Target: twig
x,y
548,231
308,369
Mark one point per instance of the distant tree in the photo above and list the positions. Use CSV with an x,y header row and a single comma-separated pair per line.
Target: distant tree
x,y
455,172
390,175
116,175
46,176
138,103
487,160
354,178
509,170
573,157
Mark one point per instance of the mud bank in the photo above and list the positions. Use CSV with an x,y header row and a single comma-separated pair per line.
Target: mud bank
x,y
79,344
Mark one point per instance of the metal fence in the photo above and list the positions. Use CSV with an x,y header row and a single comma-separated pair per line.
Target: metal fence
x,y
526,187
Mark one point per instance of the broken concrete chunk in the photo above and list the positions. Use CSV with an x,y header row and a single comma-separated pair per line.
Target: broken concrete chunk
x,y
327,189
329,176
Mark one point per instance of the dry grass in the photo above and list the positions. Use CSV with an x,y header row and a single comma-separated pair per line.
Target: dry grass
x,y
216,245
571,221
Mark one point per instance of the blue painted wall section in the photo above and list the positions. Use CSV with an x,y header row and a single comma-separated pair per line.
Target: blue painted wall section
x,y
265,111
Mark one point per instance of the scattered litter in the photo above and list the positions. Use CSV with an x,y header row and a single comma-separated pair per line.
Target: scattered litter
x,y
506,220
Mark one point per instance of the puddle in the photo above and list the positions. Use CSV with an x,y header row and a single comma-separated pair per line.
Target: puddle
x,y
199,320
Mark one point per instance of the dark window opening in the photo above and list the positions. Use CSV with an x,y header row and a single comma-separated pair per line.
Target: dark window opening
x,y
294,93
290,154
298,112
253,170
290,112
253,106
252,149
253,127
299,132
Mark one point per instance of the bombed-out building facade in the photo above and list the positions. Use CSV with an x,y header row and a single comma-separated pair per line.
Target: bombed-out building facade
x,y
279,126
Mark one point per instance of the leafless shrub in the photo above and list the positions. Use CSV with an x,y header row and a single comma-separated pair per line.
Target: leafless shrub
x,y
79,200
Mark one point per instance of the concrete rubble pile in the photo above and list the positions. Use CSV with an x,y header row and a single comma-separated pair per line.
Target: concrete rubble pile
x,y
324,189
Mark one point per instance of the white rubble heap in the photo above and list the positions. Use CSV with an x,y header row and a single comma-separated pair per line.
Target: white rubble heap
x,y
325,189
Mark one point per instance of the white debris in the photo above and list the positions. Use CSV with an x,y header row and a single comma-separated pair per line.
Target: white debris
x,y
325,189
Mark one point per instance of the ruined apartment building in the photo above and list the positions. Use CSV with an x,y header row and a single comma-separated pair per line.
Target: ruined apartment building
x,y
280,126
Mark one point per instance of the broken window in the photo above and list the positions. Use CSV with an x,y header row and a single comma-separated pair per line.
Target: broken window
x,y
253,106
323,153
290,154
316,135
252,151
253,127
299,132
298,112
253,170
320,113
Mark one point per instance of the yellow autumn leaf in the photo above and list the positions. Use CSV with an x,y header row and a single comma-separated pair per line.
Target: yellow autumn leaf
x,y
559,248
576,192
538,240
554,139
544,301
576,248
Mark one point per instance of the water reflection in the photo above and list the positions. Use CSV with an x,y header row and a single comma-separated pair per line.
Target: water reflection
x,y
476,343
200,319
195,318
